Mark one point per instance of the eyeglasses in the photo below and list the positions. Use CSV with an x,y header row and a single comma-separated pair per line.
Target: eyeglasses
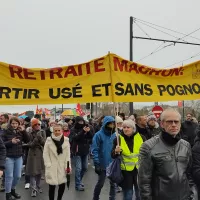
x,y
170,122
37,124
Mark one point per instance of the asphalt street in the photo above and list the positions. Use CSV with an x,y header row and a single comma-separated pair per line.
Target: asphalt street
x,y
90,180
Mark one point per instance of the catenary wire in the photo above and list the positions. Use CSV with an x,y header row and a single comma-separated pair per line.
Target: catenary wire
x,y
166,28
181,61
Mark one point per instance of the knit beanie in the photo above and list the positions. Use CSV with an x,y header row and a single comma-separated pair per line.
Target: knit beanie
x,y
151,116
34,121
78,119
118,119
27,119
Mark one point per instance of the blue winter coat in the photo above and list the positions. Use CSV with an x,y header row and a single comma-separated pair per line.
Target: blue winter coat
x,y
102,145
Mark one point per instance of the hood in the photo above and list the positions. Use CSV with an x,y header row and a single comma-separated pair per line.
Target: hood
x,y
107,120
77,125
78,119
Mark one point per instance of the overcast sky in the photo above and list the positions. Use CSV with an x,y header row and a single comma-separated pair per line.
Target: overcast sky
x,y
49,33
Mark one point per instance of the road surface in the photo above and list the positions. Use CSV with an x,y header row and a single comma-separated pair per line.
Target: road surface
x,y
90,180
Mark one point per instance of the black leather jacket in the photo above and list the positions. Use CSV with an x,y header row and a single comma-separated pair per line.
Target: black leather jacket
x,y
164,170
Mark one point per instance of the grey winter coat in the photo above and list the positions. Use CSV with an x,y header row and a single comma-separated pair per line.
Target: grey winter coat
x,y
35,162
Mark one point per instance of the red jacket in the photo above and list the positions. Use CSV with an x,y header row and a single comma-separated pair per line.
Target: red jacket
x,y
66,133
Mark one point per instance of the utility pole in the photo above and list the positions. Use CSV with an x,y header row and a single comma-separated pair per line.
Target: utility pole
x,y
62,108
183,104
159,40
131,57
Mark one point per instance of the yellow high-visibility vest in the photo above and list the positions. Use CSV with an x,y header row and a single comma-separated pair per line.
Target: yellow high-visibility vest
x,y
130,160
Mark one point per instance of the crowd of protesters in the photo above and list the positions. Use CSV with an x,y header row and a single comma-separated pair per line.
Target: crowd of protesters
x,y
157,159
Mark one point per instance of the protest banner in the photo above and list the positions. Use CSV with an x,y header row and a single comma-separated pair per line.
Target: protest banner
x,y
106,79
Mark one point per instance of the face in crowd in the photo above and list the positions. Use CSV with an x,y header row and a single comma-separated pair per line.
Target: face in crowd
x,y
37,127
70,122
129,127
152,122
3,119
142,121
14,124
171,122
65,127
57,130
189,117
120,125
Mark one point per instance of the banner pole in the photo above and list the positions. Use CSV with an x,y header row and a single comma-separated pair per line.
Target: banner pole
x,y
113,100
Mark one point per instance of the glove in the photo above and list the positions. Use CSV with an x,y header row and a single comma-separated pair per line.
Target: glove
x,y
98,169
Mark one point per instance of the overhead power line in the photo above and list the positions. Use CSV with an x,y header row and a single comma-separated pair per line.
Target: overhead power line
x,y
142,29
181,61
155,51
172,42
162,31
166,28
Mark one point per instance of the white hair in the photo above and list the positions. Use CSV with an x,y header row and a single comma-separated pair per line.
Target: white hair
x,y
129,123
165,112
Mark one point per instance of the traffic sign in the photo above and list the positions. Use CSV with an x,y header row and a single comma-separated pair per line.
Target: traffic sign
x,y
157,110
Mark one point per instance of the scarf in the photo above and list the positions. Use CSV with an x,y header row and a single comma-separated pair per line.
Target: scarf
x,y
170,140
58,141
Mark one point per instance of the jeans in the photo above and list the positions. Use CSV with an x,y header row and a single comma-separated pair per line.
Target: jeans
x,y
13,169
128,194
81,165
35,181
137,192
99,186
27,179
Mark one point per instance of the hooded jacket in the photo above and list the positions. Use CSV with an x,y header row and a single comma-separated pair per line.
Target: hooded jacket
x,y
102,145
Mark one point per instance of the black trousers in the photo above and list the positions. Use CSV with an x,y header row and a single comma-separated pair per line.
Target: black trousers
x,y
61,191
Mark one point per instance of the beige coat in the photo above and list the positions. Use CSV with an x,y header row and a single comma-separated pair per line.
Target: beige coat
x,y
55,164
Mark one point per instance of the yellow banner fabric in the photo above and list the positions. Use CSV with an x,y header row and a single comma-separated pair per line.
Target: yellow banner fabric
x,y
106,79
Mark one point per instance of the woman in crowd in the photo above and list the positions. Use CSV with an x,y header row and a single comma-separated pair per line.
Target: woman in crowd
x,y
50,129
130,142
35,163
66,130
13,138
56,159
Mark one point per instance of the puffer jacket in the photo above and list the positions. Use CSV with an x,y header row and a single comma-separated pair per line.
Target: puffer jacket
x,y
14,150
102,145
164,170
